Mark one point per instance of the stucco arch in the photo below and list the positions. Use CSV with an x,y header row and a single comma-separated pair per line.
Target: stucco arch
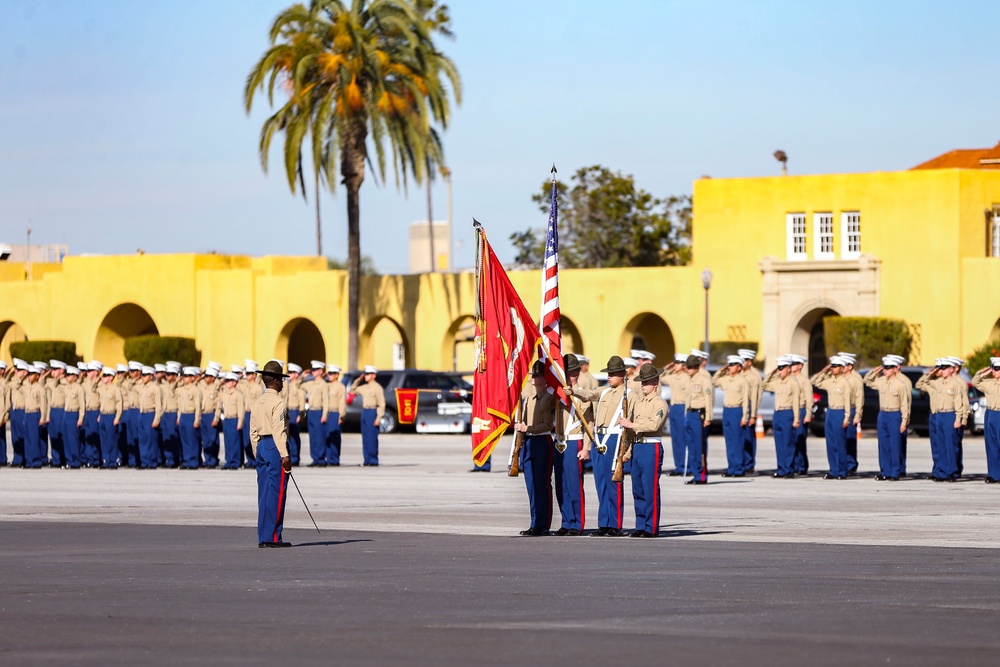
x,y
300,341
123,321
458,348
650,332
10,332
572,341
808,337
379,342
995,333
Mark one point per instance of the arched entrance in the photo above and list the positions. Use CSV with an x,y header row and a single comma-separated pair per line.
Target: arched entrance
x,y
300,342
572,342
996,330
123,321
648,331
10,332
809,340
384,345
458,349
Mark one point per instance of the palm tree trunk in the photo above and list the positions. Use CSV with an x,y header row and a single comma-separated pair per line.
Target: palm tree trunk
x,y
430,219
319,237
353,169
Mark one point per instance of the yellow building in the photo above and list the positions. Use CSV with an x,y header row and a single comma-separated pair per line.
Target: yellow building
x,y
921,245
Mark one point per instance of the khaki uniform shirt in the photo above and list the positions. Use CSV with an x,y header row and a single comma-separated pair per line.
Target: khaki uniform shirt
x,y
269,416
990,386
110,400
75,399
90,391
893,394
252,390
337,393
150,399
679,383
234,405
786,392
4,404
609,401
188,401
211,405
169,391
756,385
15,393
839,393
372,396
648,414
857,392
539,413
36,400
701,394
962,389
574,417
588,381
294,395
942,393
319,395
805,392
735,391
57,392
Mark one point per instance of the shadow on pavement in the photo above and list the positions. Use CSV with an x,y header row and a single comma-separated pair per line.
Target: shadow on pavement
x,y
330,543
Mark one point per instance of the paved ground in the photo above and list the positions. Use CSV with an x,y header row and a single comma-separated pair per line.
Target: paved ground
x,y
418,564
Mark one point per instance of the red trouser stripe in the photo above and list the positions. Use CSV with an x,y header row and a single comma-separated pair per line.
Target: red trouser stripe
x,y
656,491
583,505
281,503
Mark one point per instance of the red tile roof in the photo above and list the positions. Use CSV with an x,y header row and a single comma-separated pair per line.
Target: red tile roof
x,y
965,158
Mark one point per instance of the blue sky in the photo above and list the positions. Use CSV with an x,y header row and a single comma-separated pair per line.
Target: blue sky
x,y
122,125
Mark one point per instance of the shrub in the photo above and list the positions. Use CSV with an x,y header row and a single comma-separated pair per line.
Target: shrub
x,y
870,338
151,350
45,350
980,358
718,350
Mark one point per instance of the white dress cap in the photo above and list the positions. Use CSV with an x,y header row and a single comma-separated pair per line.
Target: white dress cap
x,y
95,366
747,354
317,365
294,368
17,361
122,368
333,368
148,370
230,376
251,366
108,371
72,370
680,358
134,366
20,365
956,361
582,359
41,365
848,356
797,358
734,359
837,360
701,354
55,363
215,365
160,368
888,360
211,372
370,369
995,362
630,362
3,365
783,361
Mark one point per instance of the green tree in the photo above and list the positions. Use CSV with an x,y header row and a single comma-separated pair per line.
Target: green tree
x,y
980,357
606,221
354,71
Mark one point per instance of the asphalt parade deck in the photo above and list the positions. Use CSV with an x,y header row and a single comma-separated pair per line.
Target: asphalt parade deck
x,y
419,564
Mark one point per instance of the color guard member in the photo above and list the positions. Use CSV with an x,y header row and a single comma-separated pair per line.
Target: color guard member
x,y
646,418
537,421
571,453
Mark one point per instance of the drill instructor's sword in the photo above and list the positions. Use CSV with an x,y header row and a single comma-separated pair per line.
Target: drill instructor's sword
x,y
304,503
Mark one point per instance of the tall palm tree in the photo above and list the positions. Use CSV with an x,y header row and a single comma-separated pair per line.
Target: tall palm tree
x,y
368,68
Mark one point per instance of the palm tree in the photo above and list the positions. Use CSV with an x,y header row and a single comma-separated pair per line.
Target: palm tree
x,y
370,68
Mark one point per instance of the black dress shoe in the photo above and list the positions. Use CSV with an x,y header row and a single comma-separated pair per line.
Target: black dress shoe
x,y
852,473
831,476
273,545
880,478
990,480
726,474
478,470
638,533
891,479
696,481
939,479
674,473
573,532
751,470
562,532
614,532
600,532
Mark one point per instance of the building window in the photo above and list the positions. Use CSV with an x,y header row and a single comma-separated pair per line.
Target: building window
x,y
995,232
823,239
796,224
851,223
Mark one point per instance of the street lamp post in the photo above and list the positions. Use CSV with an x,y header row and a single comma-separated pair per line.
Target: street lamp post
x,y
706,282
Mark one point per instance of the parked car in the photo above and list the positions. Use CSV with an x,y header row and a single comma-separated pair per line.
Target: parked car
x,y
435,388
920,408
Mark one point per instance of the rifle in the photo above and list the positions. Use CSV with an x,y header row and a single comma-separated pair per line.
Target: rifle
x,y
514,463
623,452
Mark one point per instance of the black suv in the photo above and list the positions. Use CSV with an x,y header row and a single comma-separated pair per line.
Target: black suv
x,y
434,387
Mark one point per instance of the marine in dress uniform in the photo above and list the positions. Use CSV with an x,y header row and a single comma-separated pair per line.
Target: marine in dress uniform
x,y
211,413
74,409
43,429
857,407
269,442
189,419
756,384
735,412
170,443
129,429
607,430
56,388
4,411
372,408
110,416
800,460
295,397
675,377
572,449
987,381
946,408
36,415
319,413
92,456
16,399
337,403
786,415
893,415
963,415
252,390
233,410
536,422
646,417
698,417
840,402
150,408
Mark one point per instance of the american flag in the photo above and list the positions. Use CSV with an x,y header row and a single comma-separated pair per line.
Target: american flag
x,y
551,353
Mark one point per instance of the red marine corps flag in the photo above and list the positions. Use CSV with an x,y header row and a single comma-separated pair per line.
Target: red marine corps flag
x,y
506,339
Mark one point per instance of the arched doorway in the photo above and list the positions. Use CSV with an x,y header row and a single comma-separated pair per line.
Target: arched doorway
x,y
300,342
10,332
123,321
650,332
995,333
384,345
572,342
458,349
809,340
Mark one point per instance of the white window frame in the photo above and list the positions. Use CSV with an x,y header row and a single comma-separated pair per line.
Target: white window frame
x,y
823,235
795,235
995,232
850,230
